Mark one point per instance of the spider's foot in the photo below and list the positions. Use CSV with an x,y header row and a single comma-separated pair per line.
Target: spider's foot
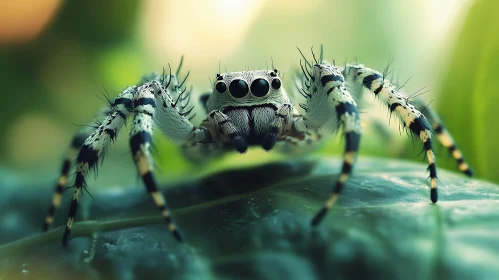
x,y
318,217
45,227
240,144
466,170
177,236
434,195
66,237
269,141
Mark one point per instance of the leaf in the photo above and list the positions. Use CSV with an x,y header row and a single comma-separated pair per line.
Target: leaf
x,y
254,223
470,91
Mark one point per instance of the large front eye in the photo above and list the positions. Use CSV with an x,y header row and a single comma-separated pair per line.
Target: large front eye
x,y
238,88
260,87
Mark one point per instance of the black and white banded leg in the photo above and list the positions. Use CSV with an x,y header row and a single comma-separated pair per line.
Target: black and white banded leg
x,y
62,182
149,102
330,105
154,105
93,150
444,136
398,105
145,104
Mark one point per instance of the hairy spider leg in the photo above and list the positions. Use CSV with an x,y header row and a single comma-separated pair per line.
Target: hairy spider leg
x,y
326,93
94,148
62,182
148,108
410,117
444,136
141,142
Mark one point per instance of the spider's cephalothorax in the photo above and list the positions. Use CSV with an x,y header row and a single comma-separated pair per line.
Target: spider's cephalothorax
x,y
248,101
249,108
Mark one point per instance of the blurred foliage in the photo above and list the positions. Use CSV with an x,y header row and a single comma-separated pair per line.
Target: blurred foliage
x,y
99,22
470,91
49,82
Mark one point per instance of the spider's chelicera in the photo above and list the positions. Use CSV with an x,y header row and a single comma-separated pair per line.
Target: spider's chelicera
x,y
249,108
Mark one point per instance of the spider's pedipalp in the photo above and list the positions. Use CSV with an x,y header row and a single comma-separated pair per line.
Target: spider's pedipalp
x,y
281,125
398,105
223,130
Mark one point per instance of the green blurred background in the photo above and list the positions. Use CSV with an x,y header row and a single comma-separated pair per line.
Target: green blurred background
x,y
57,57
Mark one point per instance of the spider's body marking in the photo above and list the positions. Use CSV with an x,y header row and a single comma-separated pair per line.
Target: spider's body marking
x,y
247,108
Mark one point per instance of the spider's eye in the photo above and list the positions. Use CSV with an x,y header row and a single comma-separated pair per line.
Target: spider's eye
x,y
221,87
276,83
238,88
259,87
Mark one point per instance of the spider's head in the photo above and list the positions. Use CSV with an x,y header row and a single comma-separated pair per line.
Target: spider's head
x,y
246,88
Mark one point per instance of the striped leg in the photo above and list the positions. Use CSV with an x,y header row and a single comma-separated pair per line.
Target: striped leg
x,y
76,143
327,94
399,106
94,148
444,136
140,144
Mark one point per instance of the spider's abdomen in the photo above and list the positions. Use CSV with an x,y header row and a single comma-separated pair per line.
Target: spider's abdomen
x,y
253,123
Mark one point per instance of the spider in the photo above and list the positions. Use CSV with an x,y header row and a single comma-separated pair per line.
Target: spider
x,y
248,108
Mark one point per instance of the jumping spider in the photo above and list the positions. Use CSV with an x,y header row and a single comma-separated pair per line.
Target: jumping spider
x,y
249,108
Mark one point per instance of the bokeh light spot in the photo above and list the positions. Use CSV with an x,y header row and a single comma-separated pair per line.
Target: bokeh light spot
x,y
23,20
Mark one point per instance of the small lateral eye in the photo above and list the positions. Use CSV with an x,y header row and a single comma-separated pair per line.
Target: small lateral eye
x,y
221,87
276,83
259,87
238,88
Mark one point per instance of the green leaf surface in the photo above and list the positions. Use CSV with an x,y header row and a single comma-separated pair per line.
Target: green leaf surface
x,y
254,223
